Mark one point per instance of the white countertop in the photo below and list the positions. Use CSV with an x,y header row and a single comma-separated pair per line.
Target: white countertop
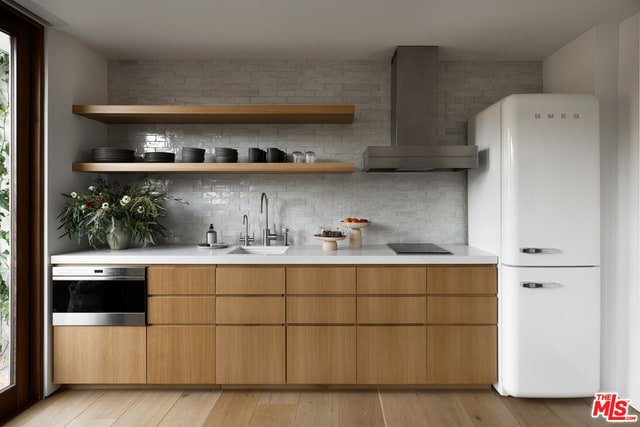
x,y
296,254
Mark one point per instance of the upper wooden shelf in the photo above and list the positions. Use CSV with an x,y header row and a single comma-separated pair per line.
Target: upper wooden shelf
x,y
141,167
218,114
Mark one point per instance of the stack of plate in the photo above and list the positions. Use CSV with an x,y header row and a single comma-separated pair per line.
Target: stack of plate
x,y
192,155
112,155
226,155
159,157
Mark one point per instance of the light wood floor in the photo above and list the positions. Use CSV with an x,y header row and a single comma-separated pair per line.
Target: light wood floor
x,y
240,408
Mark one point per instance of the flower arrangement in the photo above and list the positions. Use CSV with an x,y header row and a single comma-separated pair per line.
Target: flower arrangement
x,y
109,206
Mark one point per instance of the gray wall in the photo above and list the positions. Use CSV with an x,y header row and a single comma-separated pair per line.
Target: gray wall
x,y
74,75
430,207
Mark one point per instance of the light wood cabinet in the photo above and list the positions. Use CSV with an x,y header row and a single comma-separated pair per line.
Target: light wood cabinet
x,y
462,312
392,280
321,331
181,280
462,279
321,310
321,355
391,355
260,310
248,280
250,331
181,354
392,310
181,311
462,354
265,325
250,354
99,355
321,280
394,297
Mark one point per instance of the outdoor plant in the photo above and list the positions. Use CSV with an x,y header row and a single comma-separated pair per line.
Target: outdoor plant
x,y
110,205
5,230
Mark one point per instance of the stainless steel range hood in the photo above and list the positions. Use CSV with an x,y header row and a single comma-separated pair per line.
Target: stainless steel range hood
x,y
414,120
428,158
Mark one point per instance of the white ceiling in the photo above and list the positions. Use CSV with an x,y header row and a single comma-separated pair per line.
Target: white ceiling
x,y
326,29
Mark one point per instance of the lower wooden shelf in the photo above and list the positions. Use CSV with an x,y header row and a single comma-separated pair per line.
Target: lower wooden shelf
x,y
141,167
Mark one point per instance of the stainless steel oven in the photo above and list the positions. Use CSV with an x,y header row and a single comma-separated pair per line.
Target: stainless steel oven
x,y
93,295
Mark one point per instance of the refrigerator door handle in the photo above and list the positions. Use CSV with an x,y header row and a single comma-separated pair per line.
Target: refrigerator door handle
x,y
534,251
540,285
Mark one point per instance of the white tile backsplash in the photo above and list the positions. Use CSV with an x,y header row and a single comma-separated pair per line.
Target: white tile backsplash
x,y
403,207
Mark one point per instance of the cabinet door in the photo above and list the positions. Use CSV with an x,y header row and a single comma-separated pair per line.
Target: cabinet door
x,y
248,280
322,309
391,354
321,354
181,354
99,355
181,310
462,354
392,309
250,310
250,355
181,280
321,280
392,280
463,279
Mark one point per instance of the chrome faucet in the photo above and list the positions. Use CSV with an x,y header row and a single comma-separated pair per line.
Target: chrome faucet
x,y
267,237
246,239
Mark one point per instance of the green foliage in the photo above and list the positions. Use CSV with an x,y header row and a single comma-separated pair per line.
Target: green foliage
x,y
135,208
5,145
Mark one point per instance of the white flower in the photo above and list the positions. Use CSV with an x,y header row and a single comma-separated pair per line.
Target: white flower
x,y
83,207
105,205
140,209
74,195
125,200
92,187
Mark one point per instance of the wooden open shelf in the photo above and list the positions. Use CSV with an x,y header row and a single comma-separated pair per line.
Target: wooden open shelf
x,y
217,114
141,167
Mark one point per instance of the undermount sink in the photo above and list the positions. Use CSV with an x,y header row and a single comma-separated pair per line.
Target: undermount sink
x,y
259,250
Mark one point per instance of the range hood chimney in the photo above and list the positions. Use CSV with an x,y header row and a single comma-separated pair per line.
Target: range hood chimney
x,y
414,119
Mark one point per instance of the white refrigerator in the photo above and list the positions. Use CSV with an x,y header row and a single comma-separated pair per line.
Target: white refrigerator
x,y
535,202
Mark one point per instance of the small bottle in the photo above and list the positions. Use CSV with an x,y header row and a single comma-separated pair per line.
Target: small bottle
x,y
212,236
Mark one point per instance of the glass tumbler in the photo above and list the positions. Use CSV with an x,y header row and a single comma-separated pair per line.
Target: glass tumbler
x,y
298,157
310,157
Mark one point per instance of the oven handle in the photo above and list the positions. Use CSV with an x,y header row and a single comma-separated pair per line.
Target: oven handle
x,y
98,278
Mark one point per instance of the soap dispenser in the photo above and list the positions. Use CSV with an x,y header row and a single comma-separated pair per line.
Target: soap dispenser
x,y
212,236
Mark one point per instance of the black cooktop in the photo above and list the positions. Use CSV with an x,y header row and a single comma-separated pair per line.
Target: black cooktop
x,y
417,249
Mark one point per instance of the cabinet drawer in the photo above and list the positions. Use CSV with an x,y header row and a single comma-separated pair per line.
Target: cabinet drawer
x,y
471,310
250,280
181,280
390,309
321,280
321,309
473,279
392,280
181,310
250,310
